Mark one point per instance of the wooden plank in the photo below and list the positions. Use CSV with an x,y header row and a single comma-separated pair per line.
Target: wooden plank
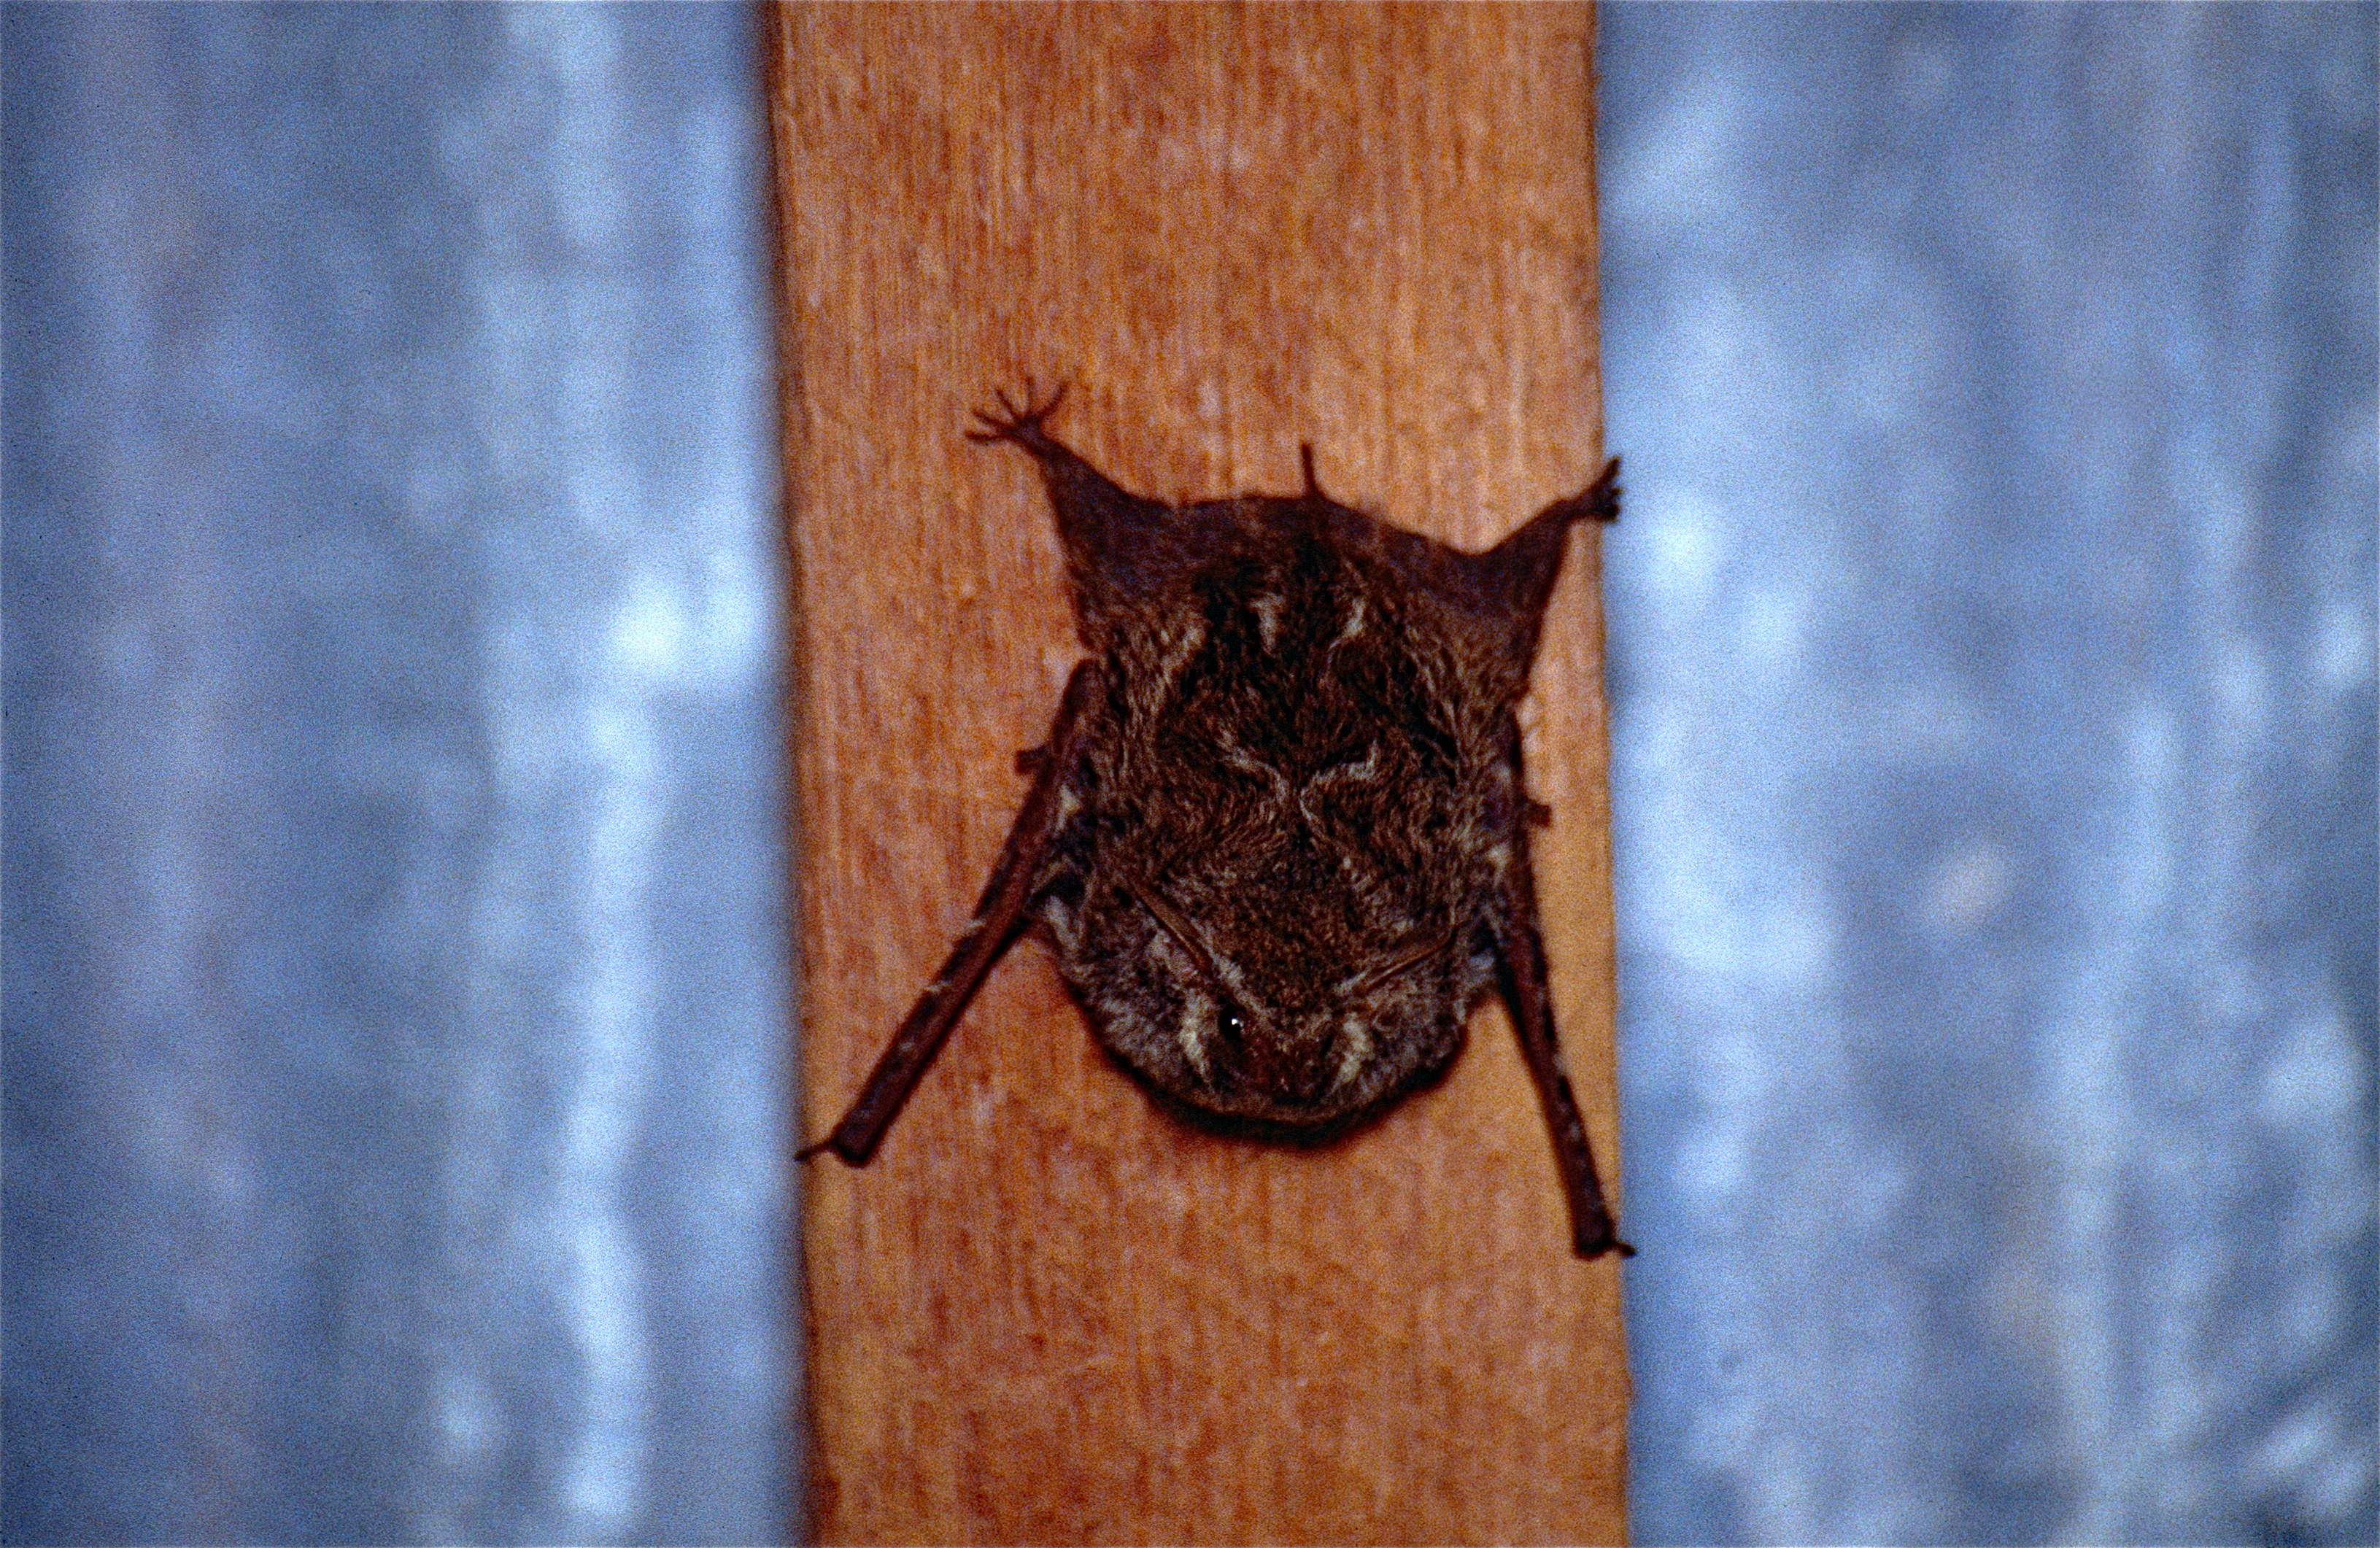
x,y
1046,1312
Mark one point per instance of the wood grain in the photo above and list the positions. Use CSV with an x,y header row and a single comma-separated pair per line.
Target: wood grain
x,y
1046,1312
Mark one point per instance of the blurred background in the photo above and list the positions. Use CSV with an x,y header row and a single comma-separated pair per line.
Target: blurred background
x,y
397,963
1992,653
398,1015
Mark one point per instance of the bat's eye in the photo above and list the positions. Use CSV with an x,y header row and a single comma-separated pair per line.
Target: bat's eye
x,y
1211,1034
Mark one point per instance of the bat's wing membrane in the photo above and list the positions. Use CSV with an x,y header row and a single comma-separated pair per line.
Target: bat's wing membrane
x,y
1001,915
1521,964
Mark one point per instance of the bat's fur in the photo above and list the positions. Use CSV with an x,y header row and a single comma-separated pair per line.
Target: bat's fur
x,y
1279,839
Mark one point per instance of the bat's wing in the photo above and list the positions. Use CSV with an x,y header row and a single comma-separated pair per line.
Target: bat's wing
x,y
1521,962
1120,548
1001,915
1503,591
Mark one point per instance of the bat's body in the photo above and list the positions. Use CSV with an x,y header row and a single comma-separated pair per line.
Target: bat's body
x,y
1279,835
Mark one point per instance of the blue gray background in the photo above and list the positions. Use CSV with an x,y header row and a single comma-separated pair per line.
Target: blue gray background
x,y
1993,654
396,951
397,1014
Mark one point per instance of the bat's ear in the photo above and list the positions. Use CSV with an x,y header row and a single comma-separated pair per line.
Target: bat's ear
x,y
1119,545
1506,588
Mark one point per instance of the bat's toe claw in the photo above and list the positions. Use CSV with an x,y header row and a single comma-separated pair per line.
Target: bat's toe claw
x,y
1012,423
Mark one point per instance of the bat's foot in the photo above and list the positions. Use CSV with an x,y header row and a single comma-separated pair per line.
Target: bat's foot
x,y
1599,501
1596,503
1021,425
1604,493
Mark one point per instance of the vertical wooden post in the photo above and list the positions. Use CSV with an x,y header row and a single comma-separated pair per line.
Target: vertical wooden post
x,y
1048,1312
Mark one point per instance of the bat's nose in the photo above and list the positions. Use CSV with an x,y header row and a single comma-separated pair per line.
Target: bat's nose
x,y
1296,1070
